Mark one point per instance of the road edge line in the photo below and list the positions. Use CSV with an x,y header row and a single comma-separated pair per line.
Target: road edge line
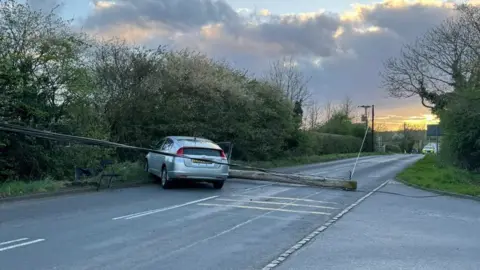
x,y
280,259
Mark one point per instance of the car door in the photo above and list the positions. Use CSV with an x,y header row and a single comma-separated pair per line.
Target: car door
x,y
167,144
167,147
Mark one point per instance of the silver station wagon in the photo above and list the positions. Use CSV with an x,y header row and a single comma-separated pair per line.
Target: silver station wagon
x,y
187,167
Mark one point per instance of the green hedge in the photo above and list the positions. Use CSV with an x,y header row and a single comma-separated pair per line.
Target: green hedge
x,y
392,148
314,143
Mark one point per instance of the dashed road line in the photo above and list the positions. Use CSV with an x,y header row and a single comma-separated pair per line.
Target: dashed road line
x,y
265,208
319,230
19,244
277,203
154,211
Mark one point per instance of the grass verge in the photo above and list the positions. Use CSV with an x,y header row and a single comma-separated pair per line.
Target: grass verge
x,y
19,188
431,174
133,173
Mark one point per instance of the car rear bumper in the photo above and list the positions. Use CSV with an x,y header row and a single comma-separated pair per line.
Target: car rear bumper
x,y
196,177
180,171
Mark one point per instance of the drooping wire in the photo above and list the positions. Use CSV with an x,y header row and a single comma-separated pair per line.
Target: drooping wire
x,y
359,152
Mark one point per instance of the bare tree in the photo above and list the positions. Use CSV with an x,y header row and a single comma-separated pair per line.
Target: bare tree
x,y
285,75
415,127
443,61
312,118
381,127
347,106
329,110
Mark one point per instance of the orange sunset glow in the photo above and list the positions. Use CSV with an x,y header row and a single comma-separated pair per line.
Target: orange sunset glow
x,y
394,118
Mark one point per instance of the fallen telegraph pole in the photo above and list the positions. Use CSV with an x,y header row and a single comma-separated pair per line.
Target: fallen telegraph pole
x,y
317,181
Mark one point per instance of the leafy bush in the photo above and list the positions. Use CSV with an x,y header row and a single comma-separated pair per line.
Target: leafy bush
x,y
460,124
341,124
392,148
314,143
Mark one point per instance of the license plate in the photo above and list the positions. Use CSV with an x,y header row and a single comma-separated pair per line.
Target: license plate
x,y
200,161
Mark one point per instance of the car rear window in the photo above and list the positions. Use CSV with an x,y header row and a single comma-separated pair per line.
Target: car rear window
x,y
201,152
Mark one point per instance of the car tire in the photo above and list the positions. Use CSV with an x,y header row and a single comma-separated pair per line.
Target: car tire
x,y
218,184
166,183
145,167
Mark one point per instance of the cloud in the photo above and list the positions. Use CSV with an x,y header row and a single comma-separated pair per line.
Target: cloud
x,y
99,5
408,19
303,34
180,14
343,53
294,33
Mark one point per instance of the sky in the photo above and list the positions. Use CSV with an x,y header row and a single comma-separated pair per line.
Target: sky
x,y
341,45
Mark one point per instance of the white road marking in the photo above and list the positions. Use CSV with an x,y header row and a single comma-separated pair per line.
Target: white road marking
x,y
21,244
228,230
13,241
319,230
154,211
283,198
278,203
264,208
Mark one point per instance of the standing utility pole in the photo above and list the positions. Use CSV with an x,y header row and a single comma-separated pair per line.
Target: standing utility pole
x,y
373,128
366,118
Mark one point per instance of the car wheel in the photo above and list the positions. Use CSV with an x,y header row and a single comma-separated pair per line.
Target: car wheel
x,y
218,184
166,183
145,168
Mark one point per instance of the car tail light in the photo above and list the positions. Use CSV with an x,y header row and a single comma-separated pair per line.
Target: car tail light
x,y
180,152
222,154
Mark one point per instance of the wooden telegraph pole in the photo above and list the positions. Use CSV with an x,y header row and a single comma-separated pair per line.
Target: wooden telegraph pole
x,y
365,117
373,128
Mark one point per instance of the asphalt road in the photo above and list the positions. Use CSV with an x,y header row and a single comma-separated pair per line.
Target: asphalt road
x,y
398,232
244,226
